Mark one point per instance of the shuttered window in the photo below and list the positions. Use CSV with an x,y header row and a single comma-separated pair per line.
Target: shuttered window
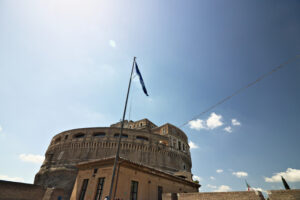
x,y
83,188
99,188
134,190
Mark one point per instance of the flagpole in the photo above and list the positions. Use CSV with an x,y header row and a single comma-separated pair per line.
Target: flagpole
x,y
120,135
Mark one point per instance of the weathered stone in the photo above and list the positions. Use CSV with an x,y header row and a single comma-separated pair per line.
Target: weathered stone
x,y
242,195
165,148
284,194
148,179
23,191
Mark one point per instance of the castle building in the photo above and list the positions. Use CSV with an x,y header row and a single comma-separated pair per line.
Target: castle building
x,y
134,181
155,163
162,149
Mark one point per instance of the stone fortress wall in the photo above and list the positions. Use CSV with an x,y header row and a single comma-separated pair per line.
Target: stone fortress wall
x,y
24,191
238,195
165,148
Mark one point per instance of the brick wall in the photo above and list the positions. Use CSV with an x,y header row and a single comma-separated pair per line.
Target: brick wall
x,y
22,191
284,194
244,195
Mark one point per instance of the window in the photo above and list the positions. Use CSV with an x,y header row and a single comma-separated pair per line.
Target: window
x,y
141,138
49,157
179,145
99,188
79,135
99,134
83,188
95,170
66,137
123,135
134,190
57,140
159,192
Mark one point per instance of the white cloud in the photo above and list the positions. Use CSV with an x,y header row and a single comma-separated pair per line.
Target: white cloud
x,y
112,43
228,129
223,188
37,159
235,122
7,178
240,174
1,128
193,145
259,189
211,186
212,122
219,171
197,178
197,124
212,178
290,175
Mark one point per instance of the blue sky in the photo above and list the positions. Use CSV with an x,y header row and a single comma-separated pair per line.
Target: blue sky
x,y
66,64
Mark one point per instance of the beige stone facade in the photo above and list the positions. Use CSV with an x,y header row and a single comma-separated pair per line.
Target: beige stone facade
x,y
164,148
151,183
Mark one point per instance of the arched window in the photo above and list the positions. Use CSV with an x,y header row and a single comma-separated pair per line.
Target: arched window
x,y
57,140
141,138
123,135
49,157
99,134
79,135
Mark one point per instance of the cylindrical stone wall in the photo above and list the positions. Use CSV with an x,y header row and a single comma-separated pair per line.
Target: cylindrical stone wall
x,y
71,147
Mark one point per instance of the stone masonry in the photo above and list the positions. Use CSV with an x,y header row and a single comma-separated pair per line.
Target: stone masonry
x,y
242,195
164,148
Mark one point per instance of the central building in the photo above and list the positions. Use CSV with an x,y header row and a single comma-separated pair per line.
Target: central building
x,y
164,148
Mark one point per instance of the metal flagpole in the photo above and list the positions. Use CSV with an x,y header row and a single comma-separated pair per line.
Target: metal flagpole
x,y
120,135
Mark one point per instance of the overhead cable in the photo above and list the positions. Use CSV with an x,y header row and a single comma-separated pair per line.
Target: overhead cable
x,y
243,88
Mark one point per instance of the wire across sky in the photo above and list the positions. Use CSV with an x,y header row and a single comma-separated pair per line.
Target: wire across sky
x,y
243,88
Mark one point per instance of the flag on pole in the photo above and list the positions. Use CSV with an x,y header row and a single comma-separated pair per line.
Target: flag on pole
x,y
248,186
286,186
141,79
